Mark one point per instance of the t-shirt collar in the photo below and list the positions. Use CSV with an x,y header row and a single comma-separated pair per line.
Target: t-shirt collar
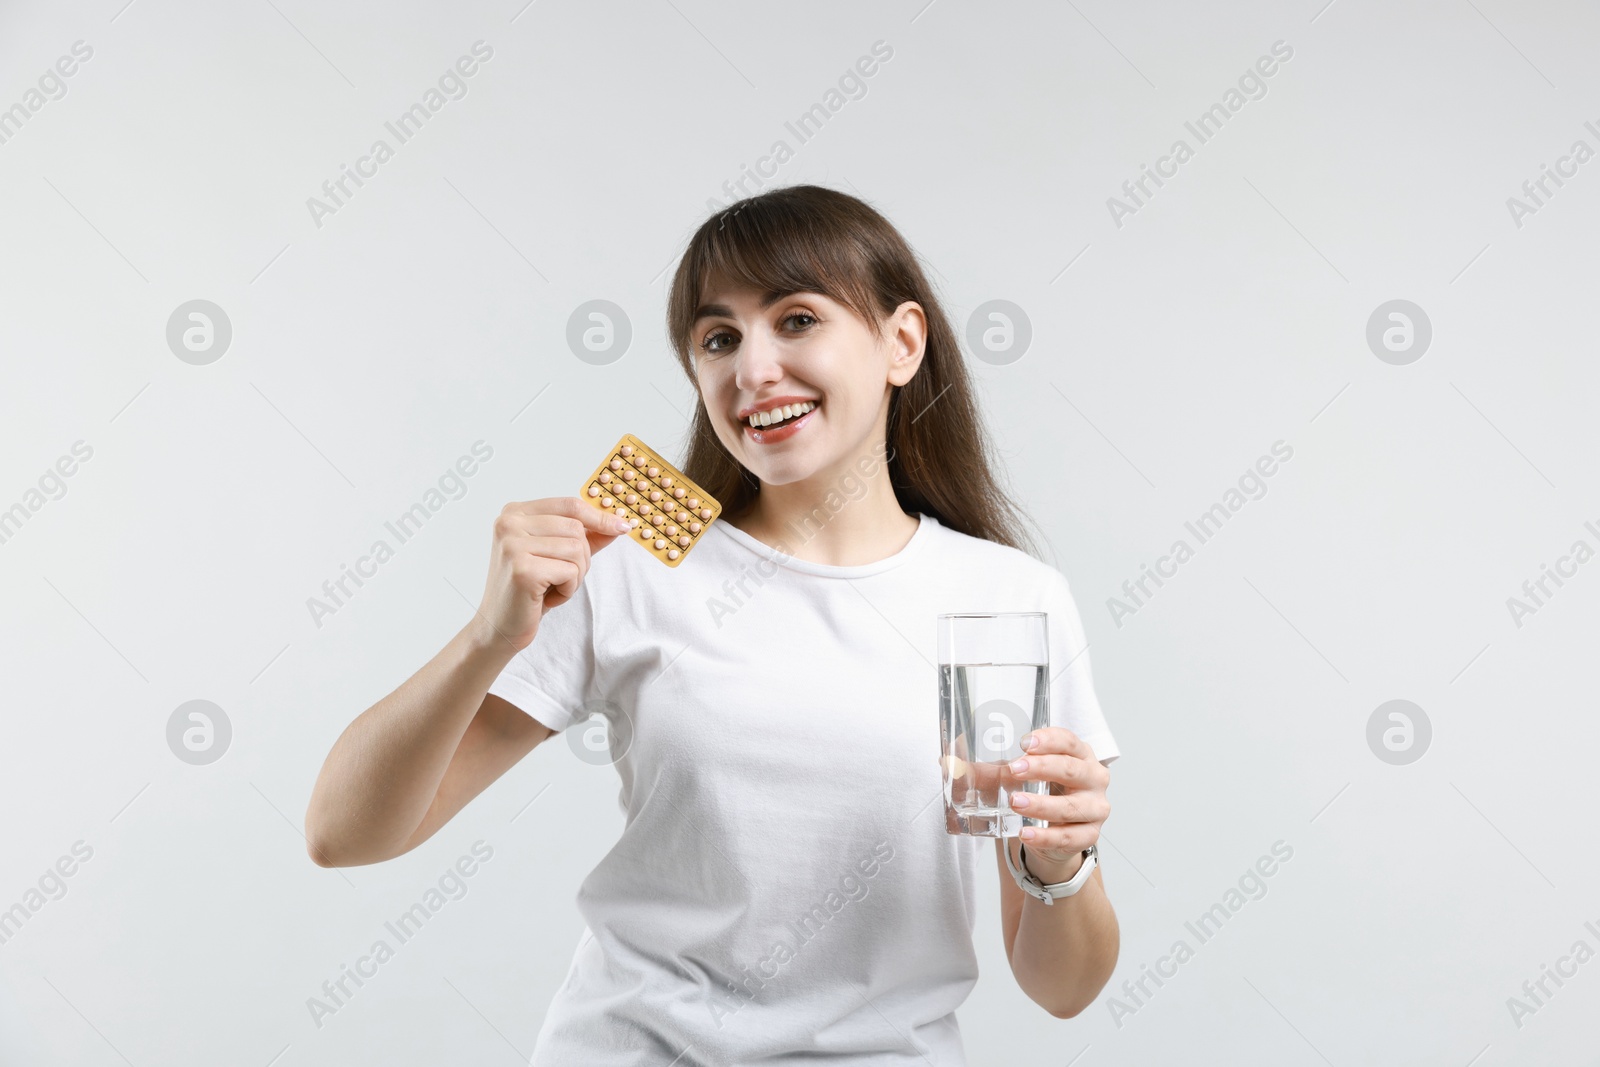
x,y
925,525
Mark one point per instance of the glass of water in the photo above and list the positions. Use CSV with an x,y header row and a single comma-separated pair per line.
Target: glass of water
x,y
994,687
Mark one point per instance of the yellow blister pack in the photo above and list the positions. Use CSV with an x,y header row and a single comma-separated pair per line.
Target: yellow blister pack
x,y
669,514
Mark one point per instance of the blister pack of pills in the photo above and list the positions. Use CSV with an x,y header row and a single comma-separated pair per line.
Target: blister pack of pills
x,y
669,514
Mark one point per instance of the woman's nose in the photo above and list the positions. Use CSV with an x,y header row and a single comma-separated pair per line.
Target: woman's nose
x,y
756,363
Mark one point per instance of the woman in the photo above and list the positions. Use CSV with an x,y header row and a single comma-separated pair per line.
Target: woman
x,y
784,890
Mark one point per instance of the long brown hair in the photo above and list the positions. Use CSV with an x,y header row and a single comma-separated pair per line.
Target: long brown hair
x,y
806,238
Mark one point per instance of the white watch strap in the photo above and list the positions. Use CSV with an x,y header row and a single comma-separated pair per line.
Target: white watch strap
x,y
1048,893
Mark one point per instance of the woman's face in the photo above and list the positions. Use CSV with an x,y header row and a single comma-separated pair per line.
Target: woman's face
x,y
799,349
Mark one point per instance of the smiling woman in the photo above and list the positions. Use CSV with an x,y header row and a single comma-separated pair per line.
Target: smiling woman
x,y
822,359
781,746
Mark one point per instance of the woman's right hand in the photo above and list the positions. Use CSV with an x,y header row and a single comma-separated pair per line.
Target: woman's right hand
x,y
541,553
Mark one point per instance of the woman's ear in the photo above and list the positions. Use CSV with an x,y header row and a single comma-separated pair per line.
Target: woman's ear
x,y
908,341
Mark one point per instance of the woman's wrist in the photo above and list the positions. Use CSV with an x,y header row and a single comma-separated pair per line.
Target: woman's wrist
x,y
482,645
1049,871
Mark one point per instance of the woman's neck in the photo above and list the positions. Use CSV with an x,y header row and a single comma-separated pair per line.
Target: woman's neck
x,y
839,518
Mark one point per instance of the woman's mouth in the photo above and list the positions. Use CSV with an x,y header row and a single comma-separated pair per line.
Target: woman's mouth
x,y
782,429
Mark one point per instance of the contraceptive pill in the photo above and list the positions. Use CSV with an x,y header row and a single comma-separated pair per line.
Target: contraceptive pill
x,y
668,513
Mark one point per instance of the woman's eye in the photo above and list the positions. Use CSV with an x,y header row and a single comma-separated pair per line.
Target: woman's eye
x,y
708,344
802,315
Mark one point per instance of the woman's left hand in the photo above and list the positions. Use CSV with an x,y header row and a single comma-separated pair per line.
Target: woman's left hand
x,y
1076,806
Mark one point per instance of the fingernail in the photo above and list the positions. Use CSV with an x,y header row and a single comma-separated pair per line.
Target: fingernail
x,y
1027,833
620,525
1021,800
1018,766
1029,741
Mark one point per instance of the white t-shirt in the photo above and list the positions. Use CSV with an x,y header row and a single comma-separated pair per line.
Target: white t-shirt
x,y
784,891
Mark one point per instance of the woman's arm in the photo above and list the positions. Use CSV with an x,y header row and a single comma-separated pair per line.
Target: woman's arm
x,y
419,755
414,759
1062,954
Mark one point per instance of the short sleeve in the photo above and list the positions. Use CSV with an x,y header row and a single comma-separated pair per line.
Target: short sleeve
x,y
553,678
1073,703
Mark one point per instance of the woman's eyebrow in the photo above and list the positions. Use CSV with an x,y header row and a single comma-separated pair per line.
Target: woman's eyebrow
x,y
706,311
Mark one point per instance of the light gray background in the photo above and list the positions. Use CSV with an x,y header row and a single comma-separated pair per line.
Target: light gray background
x,y
369,353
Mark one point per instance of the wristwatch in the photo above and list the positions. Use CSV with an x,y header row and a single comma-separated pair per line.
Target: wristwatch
x,y
1048,893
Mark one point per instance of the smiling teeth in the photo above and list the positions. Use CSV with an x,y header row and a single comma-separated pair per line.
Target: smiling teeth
x,y
788,411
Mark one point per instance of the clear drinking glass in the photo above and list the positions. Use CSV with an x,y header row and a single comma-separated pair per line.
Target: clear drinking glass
x,y
994,687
